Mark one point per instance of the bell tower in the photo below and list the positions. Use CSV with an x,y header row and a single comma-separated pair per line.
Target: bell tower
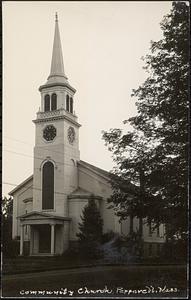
x,y
56,150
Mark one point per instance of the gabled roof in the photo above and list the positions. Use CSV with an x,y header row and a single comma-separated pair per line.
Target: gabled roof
x,y
94,168
127,185
21,185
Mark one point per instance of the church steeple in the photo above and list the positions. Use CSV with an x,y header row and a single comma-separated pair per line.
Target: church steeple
x,y
56,139
57,93
57,73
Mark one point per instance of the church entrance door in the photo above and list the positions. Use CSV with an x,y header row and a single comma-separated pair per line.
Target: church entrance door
x,y
44,238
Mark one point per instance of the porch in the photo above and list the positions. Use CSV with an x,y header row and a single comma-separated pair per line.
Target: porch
x,y
49,234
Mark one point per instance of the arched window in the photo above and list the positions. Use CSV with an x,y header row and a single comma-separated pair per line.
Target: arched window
x,y
53,102
71,105
67,103
48,186
46,103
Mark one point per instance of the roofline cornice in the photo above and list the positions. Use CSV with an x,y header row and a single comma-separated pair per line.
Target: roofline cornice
x,y
41,215
80,163
19,186
47,85
56,118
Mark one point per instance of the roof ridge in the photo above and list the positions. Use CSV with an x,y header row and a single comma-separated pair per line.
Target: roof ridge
x,y
96,168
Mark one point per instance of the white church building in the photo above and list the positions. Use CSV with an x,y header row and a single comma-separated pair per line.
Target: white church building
x,y
47,206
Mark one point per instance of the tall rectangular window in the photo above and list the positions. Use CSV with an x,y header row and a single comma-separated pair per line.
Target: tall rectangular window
x,y
131,224
158,229
48,186
150,228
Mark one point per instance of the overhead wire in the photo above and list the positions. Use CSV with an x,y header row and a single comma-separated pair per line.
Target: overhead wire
x,y
33,188
32,144
34,157
40,158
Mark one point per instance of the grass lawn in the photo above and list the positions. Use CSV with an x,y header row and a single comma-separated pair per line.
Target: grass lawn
x,y
32,264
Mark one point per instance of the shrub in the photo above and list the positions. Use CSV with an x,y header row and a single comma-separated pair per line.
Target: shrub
x,y
11,249
108,236
90,249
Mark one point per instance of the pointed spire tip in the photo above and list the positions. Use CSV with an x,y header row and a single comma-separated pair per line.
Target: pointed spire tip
x,y
57,64
56,17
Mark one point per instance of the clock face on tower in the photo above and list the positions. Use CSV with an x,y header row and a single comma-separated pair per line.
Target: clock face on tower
x,y
71,135
49,133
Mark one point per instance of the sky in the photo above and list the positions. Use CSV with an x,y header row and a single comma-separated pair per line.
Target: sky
x,y
102,43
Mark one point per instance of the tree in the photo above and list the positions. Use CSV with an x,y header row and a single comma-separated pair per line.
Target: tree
x,y
131,153
10,248
92,224
154,154
90,230
7,210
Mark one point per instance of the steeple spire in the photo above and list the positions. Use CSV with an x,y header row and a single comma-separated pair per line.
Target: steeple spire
x,y
57,66
56,17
